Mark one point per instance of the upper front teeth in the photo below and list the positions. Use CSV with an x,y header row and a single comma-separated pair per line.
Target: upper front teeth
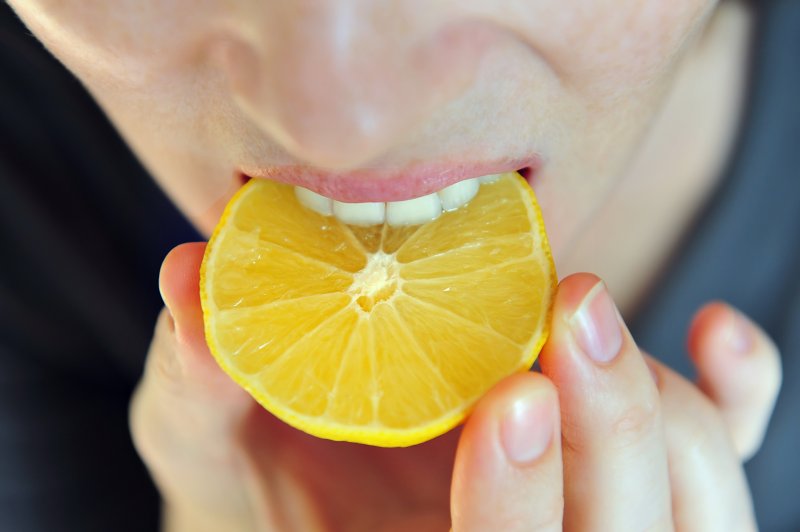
x,y
314,201
491,178
360,213
414,211
459,193
396,213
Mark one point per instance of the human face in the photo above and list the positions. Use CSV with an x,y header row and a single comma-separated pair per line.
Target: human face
x,y
376,101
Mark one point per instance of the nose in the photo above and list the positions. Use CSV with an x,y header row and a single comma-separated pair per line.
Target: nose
x,y
337,83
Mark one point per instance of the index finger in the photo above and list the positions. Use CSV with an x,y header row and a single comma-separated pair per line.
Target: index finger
x,y
615,457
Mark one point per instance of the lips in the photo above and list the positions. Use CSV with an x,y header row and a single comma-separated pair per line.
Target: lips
x,y
388,184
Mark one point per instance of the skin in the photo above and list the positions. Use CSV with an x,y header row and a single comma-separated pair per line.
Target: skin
x,y
600,91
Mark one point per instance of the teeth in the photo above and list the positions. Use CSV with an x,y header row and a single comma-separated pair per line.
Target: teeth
x,y
413,211
458,194
491,178
360,213
396,213
314,201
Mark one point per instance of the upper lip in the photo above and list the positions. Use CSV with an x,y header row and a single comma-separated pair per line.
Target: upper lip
x,y
386,183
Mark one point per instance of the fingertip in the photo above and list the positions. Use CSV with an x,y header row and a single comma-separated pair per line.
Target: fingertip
x,y
508,393
717,328
516,385
179,275
488,424
738,368
571,292
179,284
707,316
707,345
720,337
572,289
529,419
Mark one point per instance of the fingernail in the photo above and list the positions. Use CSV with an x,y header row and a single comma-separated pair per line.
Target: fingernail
x,y
595,325
527,428
739,334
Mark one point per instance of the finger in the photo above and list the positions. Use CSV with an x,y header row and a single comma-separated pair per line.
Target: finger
x,y
179,361
739,368
185,412
507,473
709,488
615,459
179,284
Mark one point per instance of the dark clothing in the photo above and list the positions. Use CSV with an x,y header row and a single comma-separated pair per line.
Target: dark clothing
x,y
83,231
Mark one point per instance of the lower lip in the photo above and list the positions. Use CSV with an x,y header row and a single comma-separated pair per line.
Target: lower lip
x,y
367,185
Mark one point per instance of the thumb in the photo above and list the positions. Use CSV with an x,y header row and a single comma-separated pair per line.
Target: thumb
x,y
179,284
186,412
182,381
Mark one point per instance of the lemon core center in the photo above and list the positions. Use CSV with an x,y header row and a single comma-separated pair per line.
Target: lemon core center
x,y
376,282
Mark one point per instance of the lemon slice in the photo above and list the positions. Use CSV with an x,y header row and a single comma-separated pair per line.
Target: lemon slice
x,y
377,335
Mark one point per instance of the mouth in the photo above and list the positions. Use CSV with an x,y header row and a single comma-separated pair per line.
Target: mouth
x,y
405,196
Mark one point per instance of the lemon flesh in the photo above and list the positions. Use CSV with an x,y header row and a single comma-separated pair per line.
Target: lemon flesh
x,y
377,335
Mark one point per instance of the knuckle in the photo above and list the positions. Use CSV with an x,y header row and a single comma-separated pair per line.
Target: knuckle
x,y
635,424
574,438
628,425
165,366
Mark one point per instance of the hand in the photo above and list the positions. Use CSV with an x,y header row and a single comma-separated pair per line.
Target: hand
x,y
629,449
587,445
224,464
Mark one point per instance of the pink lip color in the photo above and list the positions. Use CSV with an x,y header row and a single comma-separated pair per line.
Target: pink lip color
x,y
381,184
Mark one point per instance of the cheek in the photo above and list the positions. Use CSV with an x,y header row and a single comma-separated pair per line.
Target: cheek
x,y
608,49
122,43
614,59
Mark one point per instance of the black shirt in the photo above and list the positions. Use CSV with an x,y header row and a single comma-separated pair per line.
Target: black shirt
x,y
83,231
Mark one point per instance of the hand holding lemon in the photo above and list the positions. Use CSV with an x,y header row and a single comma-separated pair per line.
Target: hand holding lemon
x,y
401,353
